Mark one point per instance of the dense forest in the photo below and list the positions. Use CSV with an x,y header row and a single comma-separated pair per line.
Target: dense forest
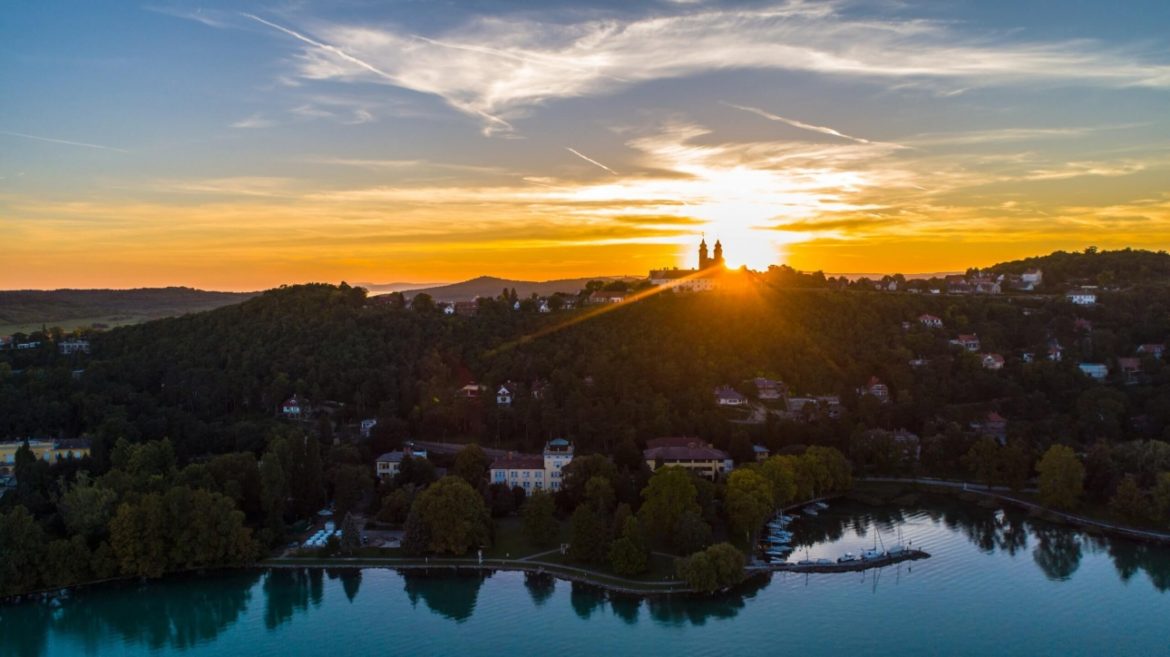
x,y
184,413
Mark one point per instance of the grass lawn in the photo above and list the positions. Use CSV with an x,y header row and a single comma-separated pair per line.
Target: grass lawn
x,y
510,542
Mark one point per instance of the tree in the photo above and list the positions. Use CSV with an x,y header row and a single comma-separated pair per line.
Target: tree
x,y
982,461
590,536
471,464
749,501
350,485
629,555
21,544
1015,466
719,566
454,517
691,533
351,536
423,303
1061,477
780,471
86,508
1129,502
539,524
599,495
1161,498
669,494
396,505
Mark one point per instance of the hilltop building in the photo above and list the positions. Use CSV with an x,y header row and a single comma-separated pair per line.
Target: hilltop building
x,y
691,453
533,471
45,450
702,279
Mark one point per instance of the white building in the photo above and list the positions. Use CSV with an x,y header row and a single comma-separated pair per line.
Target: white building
x,y
1082,297
1095,371
388,464
367,426
74,346
533,472
503,396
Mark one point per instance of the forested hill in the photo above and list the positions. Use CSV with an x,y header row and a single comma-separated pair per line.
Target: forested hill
x,y
213,381
28,310
1125,267
490,286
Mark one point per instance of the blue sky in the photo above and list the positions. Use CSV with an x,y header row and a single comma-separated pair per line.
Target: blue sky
x,y
241,145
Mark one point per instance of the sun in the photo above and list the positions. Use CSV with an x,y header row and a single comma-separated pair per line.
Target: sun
x,y
745,246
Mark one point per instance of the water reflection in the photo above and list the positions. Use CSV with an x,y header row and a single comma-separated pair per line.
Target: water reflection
x,y
289,590
351,580
540,586
684,610
450,594
1058,552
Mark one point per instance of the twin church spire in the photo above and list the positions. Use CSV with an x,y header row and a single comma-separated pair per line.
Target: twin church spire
x,y
706,262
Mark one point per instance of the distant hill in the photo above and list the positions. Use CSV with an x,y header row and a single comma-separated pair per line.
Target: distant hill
x,y
24,311
385,288
490,286
1124,267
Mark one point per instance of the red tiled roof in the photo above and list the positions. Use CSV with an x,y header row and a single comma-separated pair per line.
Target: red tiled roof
x,y
675,441
669,454
519,462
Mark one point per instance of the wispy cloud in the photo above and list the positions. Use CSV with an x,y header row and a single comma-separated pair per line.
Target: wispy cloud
x,y
65,142
590,160
499,68
797,124
257,120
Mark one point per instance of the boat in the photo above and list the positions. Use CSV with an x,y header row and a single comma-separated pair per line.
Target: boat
x,y
824,562
848,557
1000,516
809,510
871,554
820,505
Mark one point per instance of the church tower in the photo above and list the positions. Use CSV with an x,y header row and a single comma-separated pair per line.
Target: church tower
x,y
718,255
704,261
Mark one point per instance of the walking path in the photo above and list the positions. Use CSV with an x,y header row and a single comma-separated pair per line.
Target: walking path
x,y
993,492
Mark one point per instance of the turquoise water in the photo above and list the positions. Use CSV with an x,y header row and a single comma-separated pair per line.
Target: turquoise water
x,y
1023,588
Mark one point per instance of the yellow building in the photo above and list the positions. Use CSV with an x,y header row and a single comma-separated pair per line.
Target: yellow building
x,y
45,450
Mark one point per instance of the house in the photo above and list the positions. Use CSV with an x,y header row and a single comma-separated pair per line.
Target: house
x,y
762,453
690,453
73,346
957,284
471,391
543,306
540,389
918,362
985,286
1155,350
28,345
389,464
447,308
875,388
970,342
769,388
992,361
1028,356
46,450
1095,371
811,408
930,321
1031,279
504,396
728,396
367,426
1131,369
1055,351
292,408
599,297
1082,297
533,471
994,425
466,308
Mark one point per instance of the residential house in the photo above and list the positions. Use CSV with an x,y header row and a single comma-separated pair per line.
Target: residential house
x,y
471,391
466,308
875,388
540,389
690,453
728,396
968,341
1131,369
762,452
769,389
1155,350
389,464
930,321
293,408
367,426
533,472
46,450
599,297
992,361
1083,297
447,308
1055,351
73,346
504,396
1095,371
994,425
1031,279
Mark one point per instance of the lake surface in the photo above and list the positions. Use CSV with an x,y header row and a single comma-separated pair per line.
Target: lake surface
x,y
1021,588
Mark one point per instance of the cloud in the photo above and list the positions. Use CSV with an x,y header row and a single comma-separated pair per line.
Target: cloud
x,y
797,124
65,142
256,120
590,160
499,68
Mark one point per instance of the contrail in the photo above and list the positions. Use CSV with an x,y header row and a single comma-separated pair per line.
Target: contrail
x,y
590,160
368,66
798,124
63,141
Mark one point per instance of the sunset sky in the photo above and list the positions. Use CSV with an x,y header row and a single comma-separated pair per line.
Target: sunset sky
x,y
242,146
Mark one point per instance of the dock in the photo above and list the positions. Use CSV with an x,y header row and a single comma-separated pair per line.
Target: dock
x,y
843,567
